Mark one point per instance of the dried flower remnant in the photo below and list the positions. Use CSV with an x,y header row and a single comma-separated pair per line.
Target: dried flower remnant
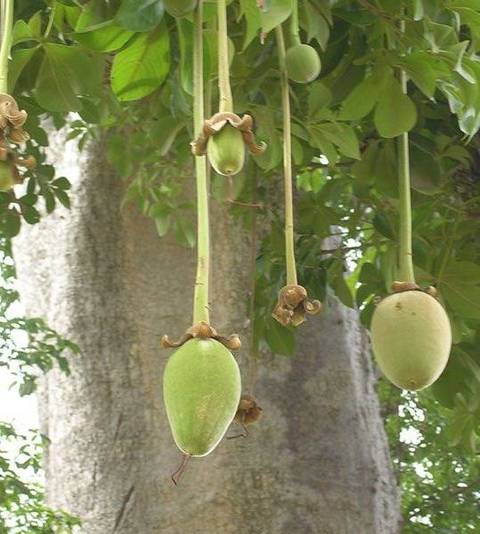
x,y
12,120
293,305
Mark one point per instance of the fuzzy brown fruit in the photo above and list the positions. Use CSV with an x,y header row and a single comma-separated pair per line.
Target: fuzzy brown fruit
x,y
201,390
226,151
303,63
411,339
179,8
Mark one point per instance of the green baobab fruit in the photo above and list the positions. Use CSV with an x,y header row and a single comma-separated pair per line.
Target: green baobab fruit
x,y
6,176
201,390
179,8
411,338
303,63
226,151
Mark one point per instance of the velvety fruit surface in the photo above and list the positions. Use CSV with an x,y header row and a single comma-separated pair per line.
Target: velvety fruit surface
x,y
411,339
6,178
303,63
226,151
179,8
201,390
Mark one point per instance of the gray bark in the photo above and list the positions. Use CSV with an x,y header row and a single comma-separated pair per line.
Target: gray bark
x,y
316,463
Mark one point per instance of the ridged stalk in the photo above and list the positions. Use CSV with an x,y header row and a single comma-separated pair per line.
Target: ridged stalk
x,y
201,297
287,163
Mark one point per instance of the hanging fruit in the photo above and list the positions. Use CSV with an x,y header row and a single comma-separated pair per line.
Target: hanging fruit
x,y
201,392
293,303
302,60
303,63
410,331
411,338
201,382
226,136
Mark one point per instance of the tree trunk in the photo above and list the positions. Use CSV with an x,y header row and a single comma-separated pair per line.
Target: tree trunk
x,y
316,463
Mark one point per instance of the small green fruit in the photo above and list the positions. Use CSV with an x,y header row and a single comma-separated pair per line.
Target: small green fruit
x,y
411,338
6,176
303,63
201,390
179,8
226,151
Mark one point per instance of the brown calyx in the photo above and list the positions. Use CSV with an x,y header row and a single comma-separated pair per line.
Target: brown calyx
x,y
248,410
203,330
11,121
400,287
293,305
215,124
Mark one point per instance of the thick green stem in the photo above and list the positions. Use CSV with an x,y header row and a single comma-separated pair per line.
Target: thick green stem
x,y
200,306
406,272
294,26
225,91
6,42
287,163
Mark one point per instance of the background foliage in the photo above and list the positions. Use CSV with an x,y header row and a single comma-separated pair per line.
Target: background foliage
x,y
124,68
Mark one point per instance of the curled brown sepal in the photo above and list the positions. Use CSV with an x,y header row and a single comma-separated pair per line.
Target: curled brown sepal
x,y
248,410
400,287
12,119
213,125
293,305
203,330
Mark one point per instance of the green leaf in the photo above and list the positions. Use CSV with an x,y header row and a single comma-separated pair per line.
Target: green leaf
x,y
162,218
395,112
276,12
314,24
253,17
185,38
425,70
336,279
319,97
281,340
140,15
184,232
452,380
62,197
20,59
22,32
142,67
361,100
464,299
343,136
66,73
10,223
105,37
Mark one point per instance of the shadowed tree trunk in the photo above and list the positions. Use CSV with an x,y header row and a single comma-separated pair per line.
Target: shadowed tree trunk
x,y
316,463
